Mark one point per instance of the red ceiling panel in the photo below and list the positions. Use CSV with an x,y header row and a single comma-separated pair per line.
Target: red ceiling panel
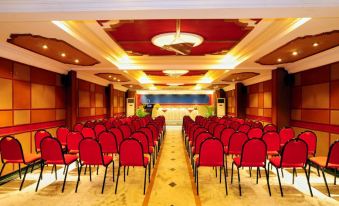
x,y
218,34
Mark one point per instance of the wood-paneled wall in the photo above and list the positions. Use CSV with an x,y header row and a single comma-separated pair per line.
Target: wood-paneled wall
x,y
315,103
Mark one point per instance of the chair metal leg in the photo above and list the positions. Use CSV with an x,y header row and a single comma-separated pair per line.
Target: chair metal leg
x,y
318,171
116,185
220,174
216,172
268,181
52,170
32,167
103,184
308,181
64,170
113,169
90,173
63,186
97,169
2,168
145,178
225,180
19,170
257,174
124,173
239,181
232,173
328,190
250,170
293,173
149,173
226,165
197,174
85,170
55,171
281,191
23,179
335,177
282,172
127,170
79,173
309,170
41,171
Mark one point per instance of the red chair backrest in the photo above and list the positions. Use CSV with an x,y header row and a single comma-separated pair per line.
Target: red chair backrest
x,y
155,132
225,136
136,124
118,135
311,140
90,152
333,154
236,142
211,153
234,125
294,152
61,134
126,131
51,150
272,140
253,153
244,128
197,131
88,132
78,127
286,134
217,130
149,135
39,135
199,139
212,127
98,129
131,153
11,149
270,128
254,133
73,140
142,138
108,142
257,125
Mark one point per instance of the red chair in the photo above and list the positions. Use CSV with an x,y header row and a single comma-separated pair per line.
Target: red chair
x,y
225,136
153,142
253,154
51,153
147,147
78,127
11,152
270,128
272,141
234,125
118,135
98,129
255,132
244,128
211,154
91,154
311,140
293,155
39,135
235,143
109,144
73,140
61,134
217,130
257,125
197,144
212,126
88,132
286,134
329,162
132,154
136,124
126,131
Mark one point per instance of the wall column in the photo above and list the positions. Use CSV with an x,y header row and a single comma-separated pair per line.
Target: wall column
x,y
109,93
240,100
280,97
71,99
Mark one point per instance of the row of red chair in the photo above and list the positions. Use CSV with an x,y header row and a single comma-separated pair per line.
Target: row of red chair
x,y
252,152
88,150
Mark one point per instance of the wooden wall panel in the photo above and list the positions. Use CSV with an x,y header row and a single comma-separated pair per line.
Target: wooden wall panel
x,y
6,93
22,117
21,72
6,68
43,96
22,95
316,96
6,118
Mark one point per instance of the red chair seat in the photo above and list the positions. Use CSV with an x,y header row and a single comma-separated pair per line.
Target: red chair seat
x,y
226,149
69,158
247,164
273,153
29,158
213,164
275,161
74,152
321,161
107,160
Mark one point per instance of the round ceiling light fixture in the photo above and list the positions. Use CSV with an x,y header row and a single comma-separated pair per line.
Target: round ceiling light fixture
x,y
175,73
171,38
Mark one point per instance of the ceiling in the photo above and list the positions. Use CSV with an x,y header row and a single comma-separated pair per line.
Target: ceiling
x,y
117,42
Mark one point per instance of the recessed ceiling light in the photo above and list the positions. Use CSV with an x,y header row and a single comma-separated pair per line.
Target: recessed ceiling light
x,y
118,80
76,60
315,44
63,54
44,46
295,53
125,71
114,78
131,86
279,60
109,76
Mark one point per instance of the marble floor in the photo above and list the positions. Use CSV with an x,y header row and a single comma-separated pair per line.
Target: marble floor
x,y
171,184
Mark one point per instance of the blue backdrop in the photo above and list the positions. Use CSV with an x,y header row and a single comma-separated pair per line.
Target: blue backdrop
x,y
175,99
